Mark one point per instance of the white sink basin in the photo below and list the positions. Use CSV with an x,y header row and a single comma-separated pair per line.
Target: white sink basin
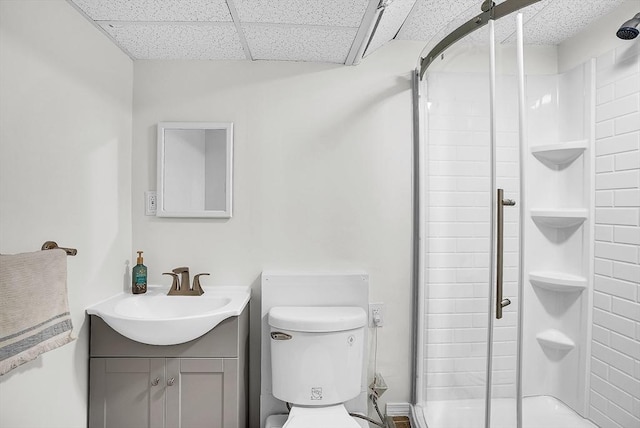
x,y
157,319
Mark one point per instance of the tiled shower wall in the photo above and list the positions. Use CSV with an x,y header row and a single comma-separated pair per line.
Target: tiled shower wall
x,y
615,363
457,236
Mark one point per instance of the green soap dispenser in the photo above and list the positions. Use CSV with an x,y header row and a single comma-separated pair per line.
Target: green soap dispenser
x,y
139,277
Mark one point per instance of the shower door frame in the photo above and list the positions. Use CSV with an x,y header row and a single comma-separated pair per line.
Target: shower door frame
x,y
487,17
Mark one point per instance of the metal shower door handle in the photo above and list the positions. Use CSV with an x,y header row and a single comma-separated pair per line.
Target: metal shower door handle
x,y
500,302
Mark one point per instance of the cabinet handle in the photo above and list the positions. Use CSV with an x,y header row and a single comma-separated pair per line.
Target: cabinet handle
x,y
156,381
171,381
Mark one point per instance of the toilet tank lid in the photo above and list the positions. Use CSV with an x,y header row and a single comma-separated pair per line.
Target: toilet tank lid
x,y
317,319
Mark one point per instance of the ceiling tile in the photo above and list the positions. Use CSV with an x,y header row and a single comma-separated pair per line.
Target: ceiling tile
x,y
339,13
430,17
155,10
560,20
183,41
295,43
392,18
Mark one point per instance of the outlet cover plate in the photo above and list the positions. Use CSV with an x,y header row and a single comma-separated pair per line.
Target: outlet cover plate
x,y
376,308
150,202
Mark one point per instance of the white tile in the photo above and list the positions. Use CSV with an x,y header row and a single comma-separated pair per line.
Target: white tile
x,y
606,60
601,420
630,160
599,368
617,216
614,322
450,291
626,345
618,180
604,233
627,86
604,268
604,129
601,334
626,235
605,94
624,381
604,163
615,287
598,401
617,144
628,123
443,245
627,198
604,198
622,416
626,308
627,52
441,276
614,359
618,71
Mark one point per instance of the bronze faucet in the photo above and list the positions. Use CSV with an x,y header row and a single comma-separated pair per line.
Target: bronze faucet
x,y
180,285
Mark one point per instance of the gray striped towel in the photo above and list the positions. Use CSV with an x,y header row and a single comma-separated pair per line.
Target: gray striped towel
x,y
34,309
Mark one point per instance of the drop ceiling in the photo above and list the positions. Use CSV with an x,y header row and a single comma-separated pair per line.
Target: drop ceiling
x,y
333,31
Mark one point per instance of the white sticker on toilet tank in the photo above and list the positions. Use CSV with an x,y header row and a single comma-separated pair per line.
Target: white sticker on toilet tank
x,y
316,393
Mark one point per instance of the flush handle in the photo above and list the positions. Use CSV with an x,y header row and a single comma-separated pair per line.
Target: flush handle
x,y
278,335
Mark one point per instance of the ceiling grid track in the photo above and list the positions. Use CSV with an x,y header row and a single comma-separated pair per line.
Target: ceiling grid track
x,y
236,21
364,34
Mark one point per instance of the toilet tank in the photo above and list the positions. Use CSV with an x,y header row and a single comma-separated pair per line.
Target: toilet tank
x,y
317,353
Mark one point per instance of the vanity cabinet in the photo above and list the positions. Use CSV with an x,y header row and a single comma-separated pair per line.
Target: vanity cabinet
x,y
198,384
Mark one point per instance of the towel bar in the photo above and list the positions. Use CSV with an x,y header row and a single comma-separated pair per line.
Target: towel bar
x,y
50,245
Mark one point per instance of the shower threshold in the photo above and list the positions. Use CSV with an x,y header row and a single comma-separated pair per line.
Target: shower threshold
x,y
538,412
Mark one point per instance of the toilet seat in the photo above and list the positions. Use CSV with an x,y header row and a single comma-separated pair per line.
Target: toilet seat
x,y
320,417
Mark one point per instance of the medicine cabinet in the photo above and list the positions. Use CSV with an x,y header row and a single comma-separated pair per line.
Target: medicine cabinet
x,y
195,169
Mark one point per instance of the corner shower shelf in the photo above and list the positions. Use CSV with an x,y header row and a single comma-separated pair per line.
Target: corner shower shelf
x,y
555,339
558,281
561,153
560,218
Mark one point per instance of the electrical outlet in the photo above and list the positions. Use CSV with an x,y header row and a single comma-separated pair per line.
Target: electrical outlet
x,y
376,314
151,202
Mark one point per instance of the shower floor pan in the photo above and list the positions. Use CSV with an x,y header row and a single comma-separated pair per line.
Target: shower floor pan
x,y
538,412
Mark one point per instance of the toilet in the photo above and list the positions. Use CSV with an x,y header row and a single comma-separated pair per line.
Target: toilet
x,y
317,356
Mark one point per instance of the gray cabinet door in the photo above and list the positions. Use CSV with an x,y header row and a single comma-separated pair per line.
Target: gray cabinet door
x,y
126,393
203,393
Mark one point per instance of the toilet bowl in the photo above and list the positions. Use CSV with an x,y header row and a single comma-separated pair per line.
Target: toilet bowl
x,y
320,417
317,357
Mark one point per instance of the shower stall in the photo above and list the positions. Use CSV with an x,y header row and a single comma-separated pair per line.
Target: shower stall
x,y
505,224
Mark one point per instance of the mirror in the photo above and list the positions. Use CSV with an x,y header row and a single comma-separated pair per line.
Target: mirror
x,y
195,162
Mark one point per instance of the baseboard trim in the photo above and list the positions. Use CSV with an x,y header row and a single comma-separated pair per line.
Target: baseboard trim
x,y
398,409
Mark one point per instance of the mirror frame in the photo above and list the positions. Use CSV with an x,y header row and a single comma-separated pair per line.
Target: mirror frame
x,y
227,212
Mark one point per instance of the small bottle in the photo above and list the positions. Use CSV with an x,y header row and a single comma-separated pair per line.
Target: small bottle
x,y
139,276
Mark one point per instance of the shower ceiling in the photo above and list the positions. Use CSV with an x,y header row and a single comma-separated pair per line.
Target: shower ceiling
x,y
334,31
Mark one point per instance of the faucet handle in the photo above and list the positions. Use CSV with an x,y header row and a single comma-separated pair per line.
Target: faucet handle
x,y
175,286
197,289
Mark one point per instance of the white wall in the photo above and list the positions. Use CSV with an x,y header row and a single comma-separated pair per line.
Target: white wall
x,y
65,149
615,374
615,362
322,178
598,38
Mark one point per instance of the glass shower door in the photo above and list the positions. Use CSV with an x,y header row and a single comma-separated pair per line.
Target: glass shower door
x,y
470,358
